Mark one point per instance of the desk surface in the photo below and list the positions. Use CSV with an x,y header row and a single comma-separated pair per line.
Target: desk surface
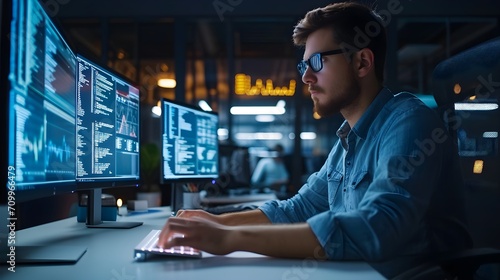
x,y
110,256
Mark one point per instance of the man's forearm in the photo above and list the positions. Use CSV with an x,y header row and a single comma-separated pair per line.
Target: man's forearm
x,y
283,241
252,217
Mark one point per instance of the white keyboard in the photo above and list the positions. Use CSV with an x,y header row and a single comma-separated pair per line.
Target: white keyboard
x,y
148,247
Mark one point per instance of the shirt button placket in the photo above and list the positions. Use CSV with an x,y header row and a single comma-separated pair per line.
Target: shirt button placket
x,y
347,175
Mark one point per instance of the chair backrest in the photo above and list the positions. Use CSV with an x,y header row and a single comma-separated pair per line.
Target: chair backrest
x,y
465,81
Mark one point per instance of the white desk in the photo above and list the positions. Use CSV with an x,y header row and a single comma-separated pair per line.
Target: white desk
x,y
110,256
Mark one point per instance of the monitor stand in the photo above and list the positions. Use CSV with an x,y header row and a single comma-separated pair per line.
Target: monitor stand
x,y
47,254
94,205
13,252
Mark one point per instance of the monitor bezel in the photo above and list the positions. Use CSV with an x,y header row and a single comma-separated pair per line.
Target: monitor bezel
x,y
90,184
184,179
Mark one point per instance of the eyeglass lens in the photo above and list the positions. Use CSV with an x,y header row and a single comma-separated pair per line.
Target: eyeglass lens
x,y
314,62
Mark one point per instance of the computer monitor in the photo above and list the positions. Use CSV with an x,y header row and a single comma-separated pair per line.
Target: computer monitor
x,y
234,170
37,80
190,147
107,135
40,85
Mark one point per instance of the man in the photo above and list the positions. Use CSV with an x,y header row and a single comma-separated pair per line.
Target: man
x,y
271,172
385,188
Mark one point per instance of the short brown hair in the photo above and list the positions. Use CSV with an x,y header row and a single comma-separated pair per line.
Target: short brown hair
x,y
350,22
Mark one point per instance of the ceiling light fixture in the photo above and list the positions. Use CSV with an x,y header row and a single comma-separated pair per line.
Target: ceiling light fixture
x,y
259,136
156,111
307,135
476,106
204,106
265,118
257,110
223,134
281,104
279,109
490,134
167,83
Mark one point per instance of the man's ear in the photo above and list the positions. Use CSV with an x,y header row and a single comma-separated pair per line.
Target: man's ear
x,y
365,59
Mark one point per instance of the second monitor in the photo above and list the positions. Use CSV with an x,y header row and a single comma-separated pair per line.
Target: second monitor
x,y
107,125
107,136
189,143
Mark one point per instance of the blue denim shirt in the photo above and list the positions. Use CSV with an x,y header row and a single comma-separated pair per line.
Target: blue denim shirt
x,y
388,187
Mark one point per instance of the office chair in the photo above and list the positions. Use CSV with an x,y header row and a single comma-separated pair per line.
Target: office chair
x,y
471,77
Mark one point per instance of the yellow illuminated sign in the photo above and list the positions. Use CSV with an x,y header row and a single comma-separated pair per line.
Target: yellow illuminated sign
x,y
243,86
478,167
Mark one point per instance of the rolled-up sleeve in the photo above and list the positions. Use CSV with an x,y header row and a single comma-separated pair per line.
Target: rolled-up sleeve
x,y
325,227
311,199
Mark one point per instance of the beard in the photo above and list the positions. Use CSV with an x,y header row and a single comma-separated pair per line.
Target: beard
x,y
332,102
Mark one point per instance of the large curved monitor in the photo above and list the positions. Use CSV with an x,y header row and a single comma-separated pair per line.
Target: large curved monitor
x,y
190,146
39,79
37,86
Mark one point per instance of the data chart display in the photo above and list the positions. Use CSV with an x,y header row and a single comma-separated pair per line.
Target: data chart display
x,y
107,125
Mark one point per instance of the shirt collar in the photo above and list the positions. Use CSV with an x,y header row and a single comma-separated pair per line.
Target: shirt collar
x,y
363,125
342,133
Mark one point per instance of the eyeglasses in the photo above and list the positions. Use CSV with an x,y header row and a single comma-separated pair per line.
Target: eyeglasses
x,y
315,61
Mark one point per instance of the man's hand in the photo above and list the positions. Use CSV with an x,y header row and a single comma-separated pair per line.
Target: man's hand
x,y
197,231
204,231
199,213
